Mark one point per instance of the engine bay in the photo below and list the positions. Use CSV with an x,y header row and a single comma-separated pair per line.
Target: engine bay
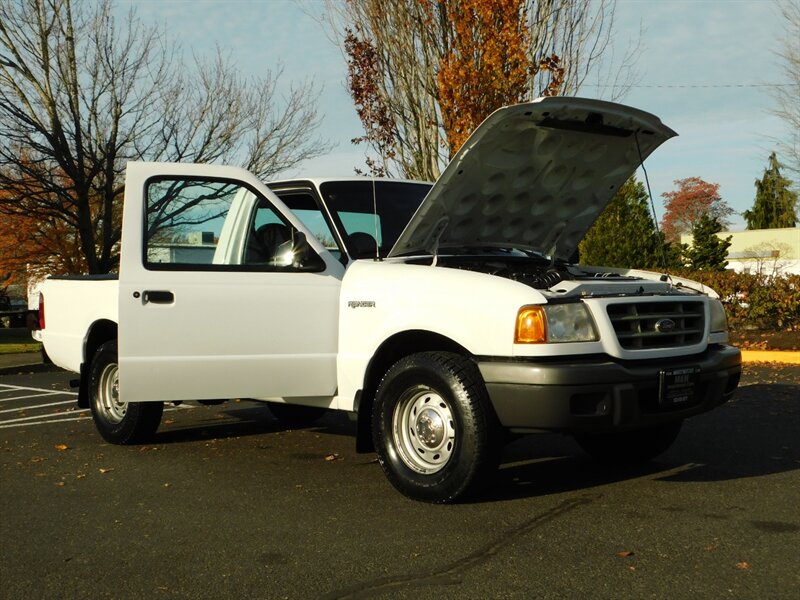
x,y
538,273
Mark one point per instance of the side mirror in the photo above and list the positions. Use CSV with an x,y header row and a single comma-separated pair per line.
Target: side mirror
x,y
305,258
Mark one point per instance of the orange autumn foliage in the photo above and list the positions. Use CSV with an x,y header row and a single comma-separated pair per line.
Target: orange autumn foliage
x,y
685,206
34,247
33,243
487,65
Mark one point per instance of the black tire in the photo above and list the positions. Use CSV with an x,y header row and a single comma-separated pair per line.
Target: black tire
x,y
295,416
433,427
629,447
118,422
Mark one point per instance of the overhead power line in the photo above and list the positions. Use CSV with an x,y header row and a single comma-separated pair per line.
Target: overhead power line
x,y
698,85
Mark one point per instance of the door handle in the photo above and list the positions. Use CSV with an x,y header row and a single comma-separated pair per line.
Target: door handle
x,y
158,297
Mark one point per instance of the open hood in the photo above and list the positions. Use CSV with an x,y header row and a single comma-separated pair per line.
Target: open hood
x,y
533,176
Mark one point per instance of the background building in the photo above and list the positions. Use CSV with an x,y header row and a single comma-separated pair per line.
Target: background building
x,y
769,251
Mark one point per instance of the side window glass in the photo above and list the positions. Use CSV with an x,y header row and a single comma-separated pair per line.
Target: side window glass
x,y
275,245
303,205
270,241
185,218
219,225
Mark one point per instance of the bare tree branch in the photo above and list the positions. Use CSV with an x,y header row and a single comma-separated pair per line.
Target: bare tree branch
x,y
787,97
397,98
81,93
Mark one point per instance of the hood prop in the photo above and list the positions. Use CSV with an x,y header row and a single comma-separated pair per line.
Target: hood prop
x,y
432,243
664,276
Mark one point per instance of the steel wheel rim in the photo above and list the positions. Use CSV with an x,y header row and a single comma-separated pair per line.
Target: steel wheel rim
x,y
108,395
423,430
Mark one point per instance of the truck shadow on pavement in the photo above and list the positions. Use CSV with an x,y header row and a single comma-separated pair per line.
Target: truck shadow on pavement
x,y
232,420
752,436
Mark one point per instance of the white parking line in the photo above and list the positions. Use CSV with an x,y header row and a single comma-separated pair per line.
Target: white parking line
x,y
5,386
37,419
33,418
56,417
36,406
33,396
42,392
13,424
83,416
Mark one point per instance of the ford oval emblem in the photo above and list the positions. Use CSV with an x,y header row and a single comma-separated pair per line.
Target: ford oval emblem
x,y
665,326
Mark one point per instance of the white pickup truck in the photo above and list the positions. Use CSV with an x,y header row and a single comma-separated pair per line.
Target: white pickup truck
x,y
442,317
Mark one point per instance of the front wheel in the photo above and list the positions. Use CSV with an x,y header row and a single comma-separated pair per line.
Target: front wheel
x,y
117,421
433,427
629,447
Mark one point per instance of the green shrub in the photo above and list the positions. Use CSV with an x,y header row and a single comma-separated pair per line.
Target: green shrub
x,y
754,301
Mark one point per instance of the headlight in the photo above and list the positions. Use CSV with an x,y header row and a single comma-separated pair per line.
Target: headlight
x,y
719,322
555,323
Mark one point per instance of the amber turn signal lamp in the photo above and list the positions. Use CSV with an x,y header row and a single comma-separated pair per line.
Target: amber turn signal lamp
x,y
531,326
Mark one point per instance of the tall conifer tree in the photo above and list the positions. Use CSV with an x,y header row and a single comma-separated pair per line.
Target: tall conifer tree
x,y
775,204
708,251
624,234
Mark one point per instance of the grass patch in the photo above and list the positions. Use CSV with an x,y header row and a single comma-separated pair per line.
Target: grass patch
x,y
16,348
17,340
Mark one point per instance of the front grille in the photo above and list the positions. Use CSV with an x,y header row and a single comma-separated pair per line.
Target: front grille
x,y
645,325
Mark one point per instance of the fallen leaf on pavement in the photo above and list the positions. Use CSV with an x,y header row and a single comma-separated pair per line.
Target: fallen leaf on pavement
x,y
104,471
332,457
61,447
743,565
625,554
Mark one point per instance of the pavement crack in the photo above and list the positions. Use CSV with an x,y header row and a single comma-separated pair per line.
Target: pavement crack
x,y
452,573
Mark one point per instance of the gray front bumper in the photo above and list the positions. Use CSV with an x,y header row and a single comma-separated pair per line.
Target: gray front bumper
x,y
601,395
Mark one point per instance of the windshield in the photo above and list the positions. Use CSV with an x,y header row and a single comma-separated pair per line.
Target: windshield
x,y
368,223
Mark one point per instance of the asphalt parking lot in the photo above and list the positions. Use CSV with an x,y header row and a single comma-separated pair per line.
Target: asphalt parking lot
x,y
224,503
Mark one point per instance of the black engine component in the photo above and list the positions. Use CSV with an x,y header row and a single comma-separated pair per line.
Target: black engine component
x,y
530,272
536,277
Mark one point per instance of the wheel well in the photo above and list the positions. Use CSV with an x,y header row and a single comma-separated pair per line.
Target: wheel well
x,y
99,333
392,350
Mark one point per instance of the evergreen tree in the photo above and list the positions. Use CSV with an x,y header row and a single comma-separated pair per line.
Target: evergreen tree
x,y
624,234
775,204
708,251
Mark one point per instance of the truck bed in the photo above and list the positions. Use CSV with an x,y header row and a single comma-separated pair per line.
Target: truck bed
x,y
72,305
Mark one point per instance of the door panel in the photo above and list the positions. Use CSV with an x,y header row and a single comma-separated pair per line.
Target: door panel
x,y
211,304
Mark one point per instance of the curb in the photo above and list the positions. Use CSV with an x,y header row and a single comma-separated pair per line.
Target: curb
x,y
29,368
776,356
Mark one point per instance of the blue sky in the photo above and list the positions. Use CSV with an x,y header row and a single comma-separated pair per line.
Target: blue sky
x,y
703,68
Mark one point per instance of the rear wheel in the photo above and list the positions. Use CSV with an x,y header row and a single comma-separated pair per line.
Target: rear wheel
x,y
433,427
629,447
117,421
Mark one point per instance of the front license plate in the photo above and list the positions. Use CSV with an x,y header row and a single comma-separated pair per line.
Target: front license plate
x,y
677,386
